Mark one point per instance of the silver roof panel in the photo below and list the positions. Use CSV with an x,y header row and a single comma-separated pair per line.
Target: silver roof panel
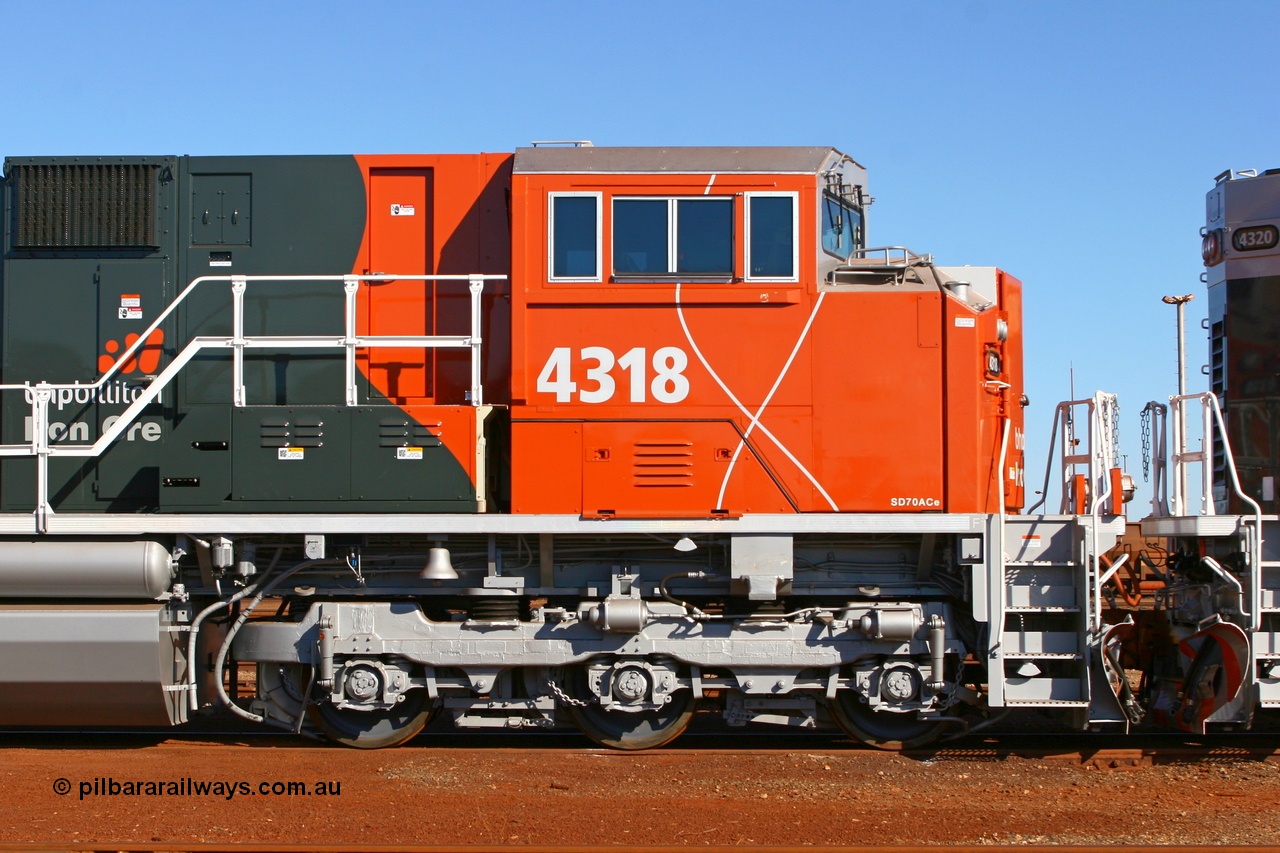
x,y
766,160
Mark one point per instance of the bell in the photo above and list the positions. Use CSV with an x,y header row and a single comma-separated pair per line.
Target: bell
x,y
439,567
685,544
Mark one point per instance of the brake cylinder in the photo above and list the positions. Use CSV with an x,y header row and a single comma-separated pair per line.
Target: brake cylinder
x,y
891,623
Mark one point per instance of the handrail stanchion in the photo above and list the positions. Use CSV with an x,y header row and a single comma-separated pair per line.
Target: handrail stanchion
x,y
238,286
1179,493
40,435
1164,456
1206,467
350,286
1064,505
475,285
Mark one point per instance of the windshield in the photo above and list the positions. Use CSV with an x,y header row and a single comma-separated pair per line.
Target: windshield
x,y
841,227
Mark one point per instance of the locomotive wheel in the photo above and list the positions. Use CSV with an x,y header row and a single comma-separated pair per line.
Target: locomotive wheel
x,y
629,730
882,729
375,729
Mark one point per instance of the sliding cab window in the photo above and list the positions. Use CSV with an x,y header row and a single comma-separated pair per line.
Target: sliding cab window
x,y
656,239
574,234
841,227
772,236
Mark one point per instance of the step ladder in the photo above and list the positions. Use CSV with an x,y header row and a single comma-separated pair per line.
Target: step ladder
x,y
1266,640
1042,655
1045,617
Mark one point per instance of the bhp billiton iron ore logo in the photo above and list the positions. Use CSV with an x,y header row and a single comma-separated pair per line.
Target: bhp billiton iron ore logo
x,y
117,392
145,360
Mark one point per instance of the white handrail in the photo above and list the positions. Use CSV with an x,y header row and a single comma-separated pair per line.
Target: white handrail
x,y
997,584
1211,412
1099,455
41,394
1102,448
891,256
1115,567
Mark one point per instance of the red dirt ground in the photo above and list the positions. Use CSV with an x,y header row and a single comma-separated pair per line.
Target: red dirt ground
x,y
415,795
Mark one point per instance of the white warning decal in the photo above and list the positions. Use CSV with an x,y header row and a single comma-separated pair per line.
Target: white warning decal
x,y
291,453
414,453
403,210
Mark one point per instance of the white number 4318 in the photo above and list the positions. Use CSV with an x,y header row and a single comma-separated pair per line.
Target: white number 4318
x,y
669,384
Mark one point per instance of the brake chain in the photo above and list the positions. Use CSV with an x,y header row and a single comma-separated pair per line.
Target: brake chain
x,y
563,698
1115,431
1146,444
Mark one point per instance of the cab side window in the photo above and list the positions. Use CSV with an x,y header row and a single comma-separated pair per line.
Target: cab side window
x,y
669,237
771,236
574,234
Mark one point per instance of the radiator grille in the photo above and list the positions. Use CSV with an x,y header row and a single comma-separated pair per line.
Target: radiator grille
x,y
85,206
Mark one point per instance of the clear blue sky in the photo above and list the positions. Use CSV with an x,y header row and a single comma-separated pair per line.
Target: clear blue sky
x,y
1070,143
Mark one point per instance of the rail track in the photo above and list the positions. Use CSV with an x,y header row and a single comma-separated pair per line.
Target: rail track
x,y
624,848
1098,749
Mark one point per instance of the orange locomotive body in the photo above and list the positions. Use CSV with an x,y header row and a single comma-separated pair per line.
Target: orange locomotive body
x,y
597,436
781,369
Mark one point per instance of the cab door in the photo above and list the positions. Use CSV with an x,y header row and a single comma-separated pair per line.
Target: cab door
x,y
400,244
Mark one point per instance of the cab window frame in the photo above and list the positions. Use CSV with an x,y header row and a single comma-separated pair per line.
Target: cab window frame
x,y
827,200
597,275
671,270
749,235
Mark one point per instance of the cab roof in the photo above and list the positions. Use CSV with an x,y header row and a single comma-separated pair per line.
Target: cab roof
x,y
682,160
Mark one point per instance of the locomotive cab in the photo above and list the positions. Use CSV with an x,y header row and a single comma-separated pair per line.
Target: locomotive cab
x,y
703,332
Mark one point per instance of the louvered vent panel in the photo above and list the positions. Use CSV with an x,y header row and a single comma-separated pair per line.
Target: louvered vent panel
x,y
401,433
86,206
274,432
661,464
